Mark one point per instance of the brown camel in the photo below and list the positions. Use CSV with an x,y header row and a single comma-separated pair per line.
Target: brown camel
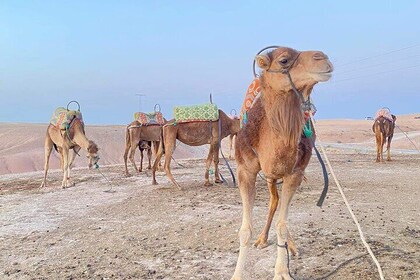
x,y
196,133
271,141
384,131
63,142
135,133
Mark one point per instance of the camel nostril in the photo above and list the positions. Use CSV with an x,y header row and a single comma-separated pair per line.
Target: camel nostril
x,y
319,56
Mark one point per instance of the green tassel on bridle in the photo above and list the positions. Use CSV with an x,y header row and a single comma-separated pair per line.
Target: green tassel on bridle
x,y
307,129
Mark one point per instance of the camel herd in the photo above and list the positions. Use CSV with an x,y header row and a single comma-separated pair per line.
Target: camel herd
x,y
271,140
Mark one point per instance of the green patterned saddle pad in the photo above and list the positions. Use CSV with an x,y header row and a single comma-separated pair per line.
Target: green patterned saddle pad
x,y
155,118
62,117
204,112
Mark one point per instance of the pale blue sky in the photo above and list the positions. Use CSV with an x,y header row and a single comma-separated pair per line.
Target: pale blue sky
x,y
102,53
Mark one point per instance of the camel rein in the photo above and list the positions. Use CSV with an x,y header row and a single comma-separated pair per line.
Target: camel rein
x,y
221,151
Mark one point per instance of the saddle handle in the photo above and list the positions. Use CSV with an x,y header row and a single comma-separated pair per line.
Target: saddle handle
x,y
74,101
157,106
233,112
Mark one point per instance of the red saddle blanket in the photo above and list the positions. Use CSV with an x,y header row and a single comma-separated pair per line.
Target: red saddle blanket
x,y
155,118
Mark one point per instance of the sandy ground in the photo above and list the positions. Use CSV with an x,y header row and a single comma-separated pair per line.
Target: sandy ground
x,y
140,231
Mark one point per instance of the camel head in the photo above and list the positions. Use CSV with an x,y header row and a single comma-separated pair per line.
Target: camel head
x,y
92,156
144,145
306,68
236,125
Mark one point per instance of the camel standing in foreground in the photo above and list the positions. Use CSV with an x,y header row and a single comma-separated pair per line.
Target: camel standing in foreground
x,y
135,133
272,141
75,139
196,133
384,131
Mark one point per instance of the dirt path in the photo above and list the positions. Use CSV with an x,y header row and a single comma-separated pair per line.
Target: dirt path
x,y
140,231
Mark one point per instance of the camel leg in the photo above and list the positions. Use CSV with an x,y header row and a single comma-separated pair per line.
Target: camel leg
x,y
132,152
48,146
169,138
208,163
76,150
381,147
217,179
149,156
231,140
65,154
388,149
141,161
156,147
290,184
127,149
274,200
159,154
246,181
378,143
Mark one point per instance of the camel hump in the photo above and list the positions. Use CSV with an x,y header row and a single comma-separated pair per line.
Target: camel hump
x,y
62,118
201,112
385,113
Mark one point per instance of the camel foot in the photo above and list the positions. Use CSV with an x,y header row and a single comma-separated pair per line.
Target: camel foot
x,y
127,174
154,183
388,159
43,185
208,184
218,181
261,243
292,248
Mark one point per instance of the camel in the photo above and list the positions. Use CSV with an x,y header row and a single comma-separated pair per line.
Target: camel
x,y
63,141
196,133
135,133
384,131
271,141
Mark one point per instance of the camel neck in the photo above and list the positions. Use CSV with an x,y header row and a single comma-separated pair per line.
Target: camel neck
x,y
284,114
79,136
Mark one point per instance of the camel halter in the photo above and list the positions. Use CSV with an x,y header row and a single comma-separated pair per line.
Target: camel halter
x,y
306,105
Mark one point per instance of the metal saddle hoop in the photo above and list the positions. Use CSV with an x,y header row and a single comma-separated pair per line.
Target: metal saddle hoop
x,y
156,108
74,101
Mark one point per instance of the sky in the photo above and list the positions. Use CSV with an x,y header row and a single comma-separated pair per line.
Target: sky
x,y
105,53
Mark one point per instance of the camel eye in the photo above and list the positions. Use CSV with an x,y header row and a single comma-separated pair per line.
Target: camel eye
x,y
283,61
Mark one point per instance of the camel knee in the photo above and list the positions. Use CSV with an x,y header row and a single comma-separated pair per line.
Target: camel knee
x,y
281,229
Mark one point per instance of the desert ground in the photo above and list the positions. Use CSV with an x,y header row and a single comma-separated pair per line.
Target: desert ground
x,y
109,226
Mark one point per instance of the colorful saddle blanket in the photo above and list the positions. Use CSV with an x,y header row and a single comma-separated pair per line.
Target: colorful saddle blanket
x,y
155,118
204,112
384,112
252,92
62,118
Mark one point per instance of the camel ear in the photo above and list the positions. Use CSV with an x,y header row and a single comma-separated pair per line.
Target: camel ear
x,y
263,61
